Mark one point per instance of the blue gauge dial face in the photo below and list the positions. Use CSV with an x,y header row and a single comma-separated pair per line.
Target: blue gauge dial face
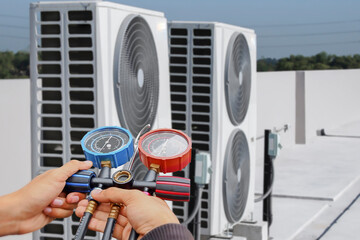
x,y
106,140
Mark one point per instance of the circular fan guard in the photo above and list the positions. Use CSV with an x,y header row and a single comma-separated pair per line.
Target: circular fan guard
x,y
136,75
237,78
236,176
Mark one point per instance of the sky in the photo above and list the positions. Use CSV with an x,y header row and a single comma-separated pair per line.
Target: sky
x,y
283,27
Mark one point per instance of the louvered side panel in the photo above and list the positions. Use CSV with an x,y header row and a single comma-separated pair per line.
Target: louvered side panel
x,y
63,94
80,86
202,75
191,59
179,86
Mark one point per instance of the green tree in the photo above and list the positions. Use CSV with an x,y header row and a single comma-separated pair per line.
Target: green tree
x,y
7,68
321,58
266,64
319,61
14,65
22,63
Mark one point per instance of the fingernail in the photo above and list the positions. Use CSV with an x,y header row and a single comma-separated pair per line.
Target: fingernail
x,y
74,199
47,210
88,163
96,191
57,202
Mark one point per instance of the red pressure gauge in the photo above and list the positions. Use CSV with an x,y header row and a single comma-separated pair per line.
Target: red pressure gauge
x,y
168,148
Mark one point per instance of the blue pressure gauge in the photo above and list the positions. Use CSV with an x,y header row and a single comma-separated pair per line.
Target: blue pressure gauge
x,y
114,144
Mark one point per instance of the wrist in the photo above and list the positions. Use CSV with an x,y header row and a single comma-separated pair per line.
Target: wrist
x,y
9,219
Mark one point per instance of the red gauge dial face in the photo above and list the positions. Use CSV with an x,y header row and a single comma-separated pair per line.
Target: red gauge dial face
x,y
165,144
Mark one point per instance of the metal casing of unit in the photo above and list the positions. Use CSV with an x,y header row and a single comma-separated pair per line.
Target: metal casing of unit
x,y
107,25
223,34
213,218
106,50
73,55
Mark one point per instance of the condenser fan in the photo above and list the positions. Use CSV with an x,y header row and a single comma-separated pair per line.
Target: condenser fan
x,y
136,75
236,176
237,78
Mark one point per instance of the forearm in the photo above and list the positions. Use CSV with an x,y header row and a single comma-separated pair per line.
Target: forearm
x,y
8,218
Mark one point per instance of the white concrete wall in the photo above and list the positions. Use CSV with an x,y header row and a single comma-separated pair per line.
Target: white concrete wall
x,y
332,98
15,138
275,106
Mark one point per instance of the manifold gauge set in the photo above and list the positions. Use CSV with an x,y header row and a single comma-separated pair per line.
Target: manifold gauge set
x,y
160,150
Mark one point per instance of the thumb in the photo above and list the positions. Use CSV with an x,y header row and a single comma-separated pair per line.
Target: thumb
x,y
117,195
68,169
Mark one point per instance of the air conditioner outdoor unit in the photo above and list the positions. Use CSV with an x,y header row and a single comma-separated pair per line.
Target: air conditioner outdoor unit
x,y
213,78
93,64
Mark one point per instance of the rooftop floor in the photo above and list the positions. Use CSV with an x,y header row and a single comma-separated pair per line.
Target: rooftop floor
x,y
317,187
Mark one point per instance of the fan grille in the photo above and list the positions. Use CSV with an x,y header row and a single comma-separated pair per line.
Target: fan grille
x,y
136,76
237,78
236,176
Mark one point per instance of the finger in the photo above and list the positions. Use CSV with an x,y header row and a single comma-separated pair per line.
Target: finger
x,y
104,207
98,225
101,214
80,211
117,195
72,167
123,211
122,221
127,231
61,203
118,231
83,202
57,212
75,197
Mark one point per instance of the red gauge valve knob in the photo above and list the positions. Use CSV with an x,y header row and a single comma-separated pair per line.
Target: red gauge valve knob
x,y
168,149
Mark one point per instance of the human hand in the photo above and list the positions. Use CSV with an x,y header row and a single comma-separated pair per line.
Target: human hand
x,y
40,201
139,211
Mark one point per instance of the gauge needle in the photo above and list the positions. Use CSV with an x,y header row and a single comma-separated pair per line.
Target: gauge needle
x,y
106,143
163,146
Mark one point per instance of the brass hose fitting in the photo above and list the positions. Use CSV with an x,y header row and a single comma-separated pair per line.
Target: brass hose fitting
x,y
155,167
106,164
115,210
123,179
91,207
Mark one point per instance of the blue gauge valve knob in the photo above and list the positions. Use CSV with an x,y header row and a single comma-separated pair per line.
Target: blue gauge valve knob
x,y
80,182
